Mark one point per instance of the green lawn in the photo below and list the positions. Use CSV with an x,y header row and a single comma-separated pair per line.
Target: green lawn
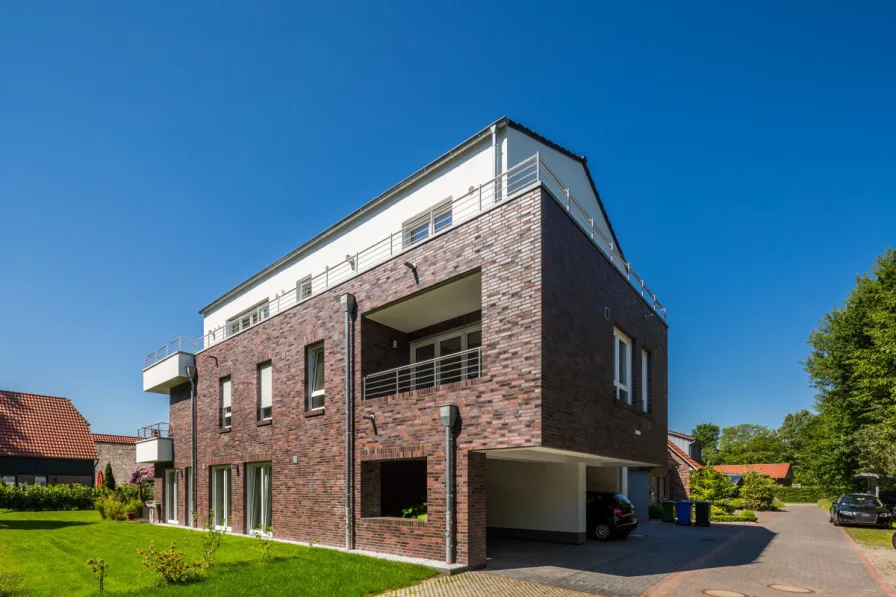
x,y
45,553
871,537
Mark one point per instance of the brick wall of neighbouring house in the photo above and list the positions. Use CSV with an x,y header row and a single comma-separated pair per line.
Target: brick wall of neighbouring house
x,y
581,412
500,409
679,479
122,457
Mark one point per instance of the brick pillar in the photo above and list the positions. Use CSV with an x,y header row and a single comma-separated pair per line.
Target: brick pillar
x,y
471,520
237,495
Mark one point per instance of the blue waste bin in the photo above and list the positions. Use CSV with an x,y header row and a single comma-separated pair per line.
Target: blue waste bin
x,y
683,510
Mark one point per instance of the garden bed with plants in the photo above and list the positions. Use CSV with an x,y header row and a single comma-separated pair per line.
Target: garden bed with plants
x,y
47,553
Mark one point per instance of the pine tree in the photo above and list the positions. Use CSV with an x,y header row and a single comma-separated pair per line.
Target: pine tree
x,y
108,477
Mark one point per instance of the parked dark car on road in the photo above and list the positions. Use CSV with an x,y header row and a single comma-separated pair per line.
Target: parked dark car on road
x,y
860,509
609,515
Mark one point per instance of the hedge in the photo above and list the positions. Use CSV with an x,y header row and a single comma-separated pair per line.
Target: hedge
x,y
745,516
46,497
800,495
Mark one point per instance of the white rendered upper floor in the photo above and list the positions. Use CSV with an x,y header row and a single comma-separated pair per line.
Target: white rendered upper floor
x,y
487,169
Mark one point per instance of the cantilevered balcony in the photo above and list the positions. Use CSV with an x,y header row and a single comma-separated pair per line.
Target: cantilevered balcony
x,y
459,366
156,444
167,367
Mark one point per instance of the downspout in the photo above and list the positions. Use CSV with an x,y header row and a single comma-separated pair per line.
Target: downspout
x,y
448,414
348,306
191,373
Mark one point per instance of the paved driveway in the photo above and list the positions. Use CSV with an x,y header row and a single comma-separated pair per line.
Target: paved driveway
x,y
796,547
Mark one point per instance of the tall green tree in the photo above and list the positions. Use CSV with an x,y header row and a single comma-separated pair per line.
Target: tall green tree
x,y
708,436
852,365
750,444
108,477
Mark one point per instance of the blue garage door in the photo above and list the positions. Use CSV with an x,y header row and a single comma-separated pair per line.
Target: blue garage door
x,y
638,483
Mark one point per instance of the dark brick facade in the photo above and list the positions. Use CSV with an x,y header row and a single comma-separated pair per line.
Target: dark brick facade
x,y
534,388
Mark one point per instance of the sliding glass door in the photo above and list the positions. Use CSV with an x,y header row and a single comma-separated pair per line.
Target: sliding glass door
x,y
221,496
258,497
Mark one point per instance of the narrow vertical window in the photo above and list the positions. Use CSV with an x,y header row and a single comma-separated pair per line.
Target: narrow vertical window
x,y
188,482
623,366
265,392
315,375
221,496
303,288
645,359
171,496
225,402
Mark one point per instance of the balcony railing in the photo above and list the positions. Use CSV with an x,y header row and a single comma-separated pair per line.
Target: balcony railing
x,y
436,372
477,200
156,430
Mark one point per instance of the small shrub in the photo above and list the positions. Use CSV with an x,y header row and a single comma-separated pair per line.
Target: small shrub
x,y
758,491
737,503
110,507
171,563
263,544
655,511
745,516
99,572
108,477
210,540
708,484
127,492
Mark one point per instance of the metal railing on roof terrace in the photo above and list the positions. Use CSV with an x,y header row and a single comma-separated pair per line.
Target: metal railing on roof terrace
x,y
432,373
442,217
155,430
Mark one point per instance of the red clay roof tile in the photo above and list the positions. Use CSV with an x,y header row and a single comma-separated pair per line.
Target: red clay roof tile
x,y
43,426
680,454
775,471
105,438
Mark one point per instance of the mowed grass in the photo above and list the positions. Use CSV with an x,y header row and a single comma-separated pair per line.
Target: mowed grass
x,y
45,553
871,537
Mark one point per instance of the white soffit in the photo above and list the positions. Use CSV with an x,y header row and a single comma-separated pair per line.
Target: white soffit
x,y
445,302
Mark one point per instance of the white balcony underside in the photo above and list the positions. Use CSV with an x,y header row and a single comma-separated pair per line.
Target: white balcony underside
x,y
167,373
156,449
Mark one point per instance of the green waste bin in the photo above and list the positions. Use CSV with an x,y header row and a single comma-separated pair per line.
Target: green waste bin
x,y
668,511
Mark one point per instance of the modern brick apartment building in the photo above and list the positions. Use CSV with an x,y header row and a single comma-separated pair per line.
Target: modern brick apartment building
x,y
487,291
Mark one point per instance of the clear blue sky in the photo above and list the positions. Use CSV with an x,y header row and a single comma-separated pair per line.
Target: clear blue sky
x,y
152,158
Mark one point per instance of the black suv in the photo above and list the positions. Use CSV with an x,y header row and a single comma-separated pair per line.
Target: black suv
x,y
609,515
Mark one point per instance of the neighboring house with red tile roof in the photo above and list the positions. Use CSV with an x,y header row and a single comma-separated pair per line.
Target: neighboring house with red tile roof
x,y
781,472
44,440
118,450
684,452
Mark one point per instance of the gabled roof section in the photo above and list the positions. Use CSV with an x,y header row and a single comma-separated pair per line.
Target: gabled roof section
x,y
410,180
679,454
34,425
775,471
681,435
105,438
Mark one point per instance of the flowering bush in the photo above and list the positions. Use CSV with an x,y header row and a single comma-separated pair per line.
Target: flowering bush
x,y
141,475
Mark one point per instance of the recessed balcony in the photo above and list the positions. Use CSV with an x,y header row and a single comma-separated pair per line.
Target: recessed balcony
x,y
167,367
156,444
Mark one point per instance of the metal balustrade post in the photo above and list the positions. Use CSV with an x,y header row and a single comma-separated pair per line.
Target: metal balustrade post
x,y
480,197
592,228
537,166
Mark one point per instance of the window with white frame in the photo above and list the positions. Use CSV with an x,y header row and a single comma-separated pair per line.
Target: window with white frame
x,y
315,375
258,498
9,480
426,224
447,358
303,289
247,319
42,481
623,366
265,391
221,496
645,361
226,399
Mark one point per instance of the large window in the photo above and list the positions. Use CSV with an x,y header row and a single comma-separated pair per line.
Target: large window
x,y
9,480
394,488
171,496
426,224
623,367
265,392
221,496
438,366
258,497
248,318
645,360
226,396
315,375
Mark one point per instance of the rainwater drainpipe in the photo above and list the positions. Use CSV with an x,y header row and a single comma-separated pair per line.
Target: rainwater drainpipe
x,y
448,414
191,373
347,301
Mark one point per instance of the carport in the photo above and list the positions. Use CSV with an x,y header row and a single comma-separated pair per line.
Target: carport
x,y
538,494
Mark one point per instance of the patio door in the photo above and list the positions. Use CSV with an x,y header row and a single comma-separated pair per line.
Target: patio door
x,y
171,496
258,497
221,496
